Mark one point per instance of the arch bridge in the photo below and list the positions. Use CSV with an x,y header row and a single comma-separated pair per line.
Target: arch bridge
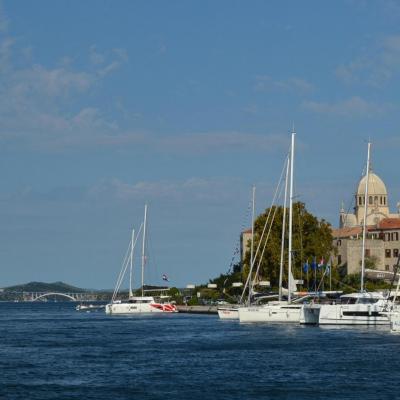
x,y
36,296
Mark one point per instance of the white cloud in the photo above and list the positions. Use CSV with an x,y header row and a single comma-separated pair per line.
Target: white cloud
x,y
378,65
293,84
95,56
51,82
3,19
5,53
222,141
353,107
189,190
33,98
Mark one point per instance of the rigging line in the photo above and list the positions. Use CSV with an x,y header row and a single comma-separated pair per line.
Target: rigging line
x,y
125,265
120,276
356,199
300,222
266,240
263,232
265,246
237,247
395,271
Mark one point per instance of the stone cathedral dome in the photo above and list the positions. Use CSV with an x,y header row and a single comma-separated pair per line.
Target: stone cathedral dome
x,y
375,185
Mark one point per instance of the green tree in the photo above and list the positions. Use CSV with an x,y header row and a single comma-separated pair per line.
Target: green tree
x,y
311,238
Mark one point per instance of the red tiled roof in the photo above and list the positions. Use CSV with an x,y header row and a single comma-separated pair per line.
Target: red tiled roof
x,y
346,232
389,223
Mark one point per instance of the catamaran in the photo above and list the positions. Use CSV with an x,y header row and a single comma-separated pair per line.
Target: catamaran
x,y
281,310
136,304
361,308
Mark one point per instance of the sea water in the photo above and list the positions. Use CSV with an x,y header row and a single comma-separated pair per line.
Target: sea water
x,y
50,351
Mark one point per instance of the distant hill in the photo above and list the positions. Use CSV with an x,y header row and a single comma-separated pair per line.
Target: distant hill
x,y
59,287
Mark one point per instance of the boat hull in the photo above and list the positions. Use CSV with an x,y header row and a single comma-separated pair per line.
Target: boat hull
x,y
228,312
394,321
139,308
271,313
309,314
354,314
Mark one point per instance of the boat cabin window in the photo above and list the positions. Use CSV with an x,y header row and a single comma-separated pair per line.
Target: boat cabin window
x,y
348,300
367,301
140,301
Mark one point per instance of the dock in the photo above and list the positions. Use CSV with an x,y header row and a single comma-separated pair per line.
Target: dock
x,y
198,309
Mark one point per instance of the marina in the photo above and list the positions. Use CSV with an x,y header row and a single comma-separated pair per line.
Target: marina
x,y
199,200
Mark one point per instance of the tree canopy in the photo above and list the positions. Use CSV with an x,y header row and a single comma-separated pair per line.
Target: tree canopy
x,y
311,238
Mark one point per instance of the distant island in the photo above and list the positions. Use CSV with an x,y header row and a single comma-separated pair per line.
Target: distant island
x,y
26,291
59,287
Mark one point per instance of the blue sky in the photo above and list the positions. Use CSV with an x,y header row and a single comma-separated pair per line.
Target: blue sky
x,y
107,105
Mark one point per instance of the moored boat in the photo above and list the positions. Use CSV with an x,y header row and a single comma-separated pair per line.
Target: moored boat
x,y
362,308
140,304
228,312
137,304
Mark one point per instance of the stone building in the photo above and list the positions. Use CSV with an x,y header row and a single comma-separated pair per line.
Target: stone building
x,y
245,239
383,231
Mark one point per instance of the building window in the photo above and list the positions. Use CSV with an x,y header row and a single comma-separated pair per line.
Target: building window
x,y
396,236
395,252
359,201
388,253
367,252
370,200
386,267
387,237
339,242
376,200
381,200
339,259
384,201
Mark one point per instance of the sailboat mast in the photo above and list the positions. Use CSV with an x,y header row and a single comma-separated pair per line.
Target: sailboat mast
x,y
290,217
131,265
283,231
365,220
144,247
252,237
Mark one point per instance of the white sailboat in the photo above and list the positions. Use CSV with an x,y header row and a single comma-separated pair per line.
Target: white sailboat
x,y
281,310
394,313
361,308
136,304
232,311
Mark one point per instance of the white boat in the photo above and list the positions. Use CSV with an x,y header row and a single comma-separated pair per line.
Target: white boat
x,y
361,308
232,311
394,318
228,312
279,311
366,308
394,313
136,304
89,307
274,311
